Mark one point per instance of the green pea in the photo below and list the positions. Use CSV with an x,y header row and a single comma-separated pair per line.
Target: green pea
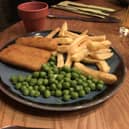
x,y
87,90
66,85
74,95
89,77
82,77
71,89
53,58
63,73
40,81
25,83
89,82
37,94
20,78
100,86
101,82
47,93
42,74
32,93
66,69
28,78
67,79
59,86
18,85
25,92
47,87
85,84
68,75
35,74
53,92
55,70
33,82
30,88
13,79
66,97
36,87
73,83
42,88
58,93
80,82
66,92
75,76
92,86
45,67
82,93
53,86
52,63
60,77
95,80
52,80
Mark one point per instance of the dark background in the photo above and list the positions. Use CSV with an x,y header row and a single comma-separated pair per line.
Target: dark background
x,y
8,11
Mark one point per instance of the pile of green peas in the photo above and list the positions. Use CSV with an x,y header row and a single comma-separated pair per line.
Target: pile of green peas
x,y
66,83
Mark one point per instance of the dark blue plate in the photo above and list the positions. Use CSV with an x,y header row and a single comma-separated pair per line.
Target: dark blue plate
x,y
56,104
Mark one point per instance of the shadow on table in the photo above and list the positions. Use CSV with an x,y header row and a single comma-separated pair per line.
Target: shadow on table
x,y
38,112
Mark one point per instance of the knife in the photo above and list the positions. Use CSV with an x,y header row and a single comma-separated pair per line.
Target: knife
x,y
86,19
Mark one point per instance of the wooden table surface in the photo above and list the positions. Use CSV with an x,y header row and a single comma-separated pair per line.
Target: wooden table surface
x,y
113,114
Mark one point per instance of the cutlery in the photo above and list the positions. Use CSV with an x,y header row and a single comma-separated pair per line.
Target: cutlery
x,y
86,19
21,127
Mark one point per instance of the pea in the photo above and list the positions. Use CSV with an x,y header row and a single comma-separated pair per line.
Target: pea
x,y
66,69
68,75
74,95
28,78
82,77
63,73
18,85
52,63
87,89
77,88
80,82
100,86
55,70
58,93
59,77
66,85
42,88
25,92
33,82
48,88
45,67
36,87
95,80
25,83
71,89
51,76
42,74
89,77
53,92
30,88
92,86
53,86
89,82
74,76
35,74
67,79
32,93
66,97
20,78
52,80
100,82
59,86
73,83
85,84
47,93
66,92
13,79
37,94
82,93
40,81
53,58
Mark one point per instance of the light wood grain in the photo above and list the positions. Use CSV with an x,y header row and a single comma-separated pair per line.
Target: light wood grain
x,y
113,114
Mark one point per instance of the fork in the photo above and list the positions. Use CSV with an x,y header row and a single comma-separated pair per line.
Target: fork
x,y
21,127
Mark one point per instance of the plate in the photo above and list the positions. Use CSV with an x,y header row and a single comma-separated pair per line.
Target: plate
x,y
56,104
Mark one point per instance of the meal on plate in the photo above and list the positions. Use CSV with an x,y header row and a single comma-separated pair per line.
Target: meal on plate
x,y
59,61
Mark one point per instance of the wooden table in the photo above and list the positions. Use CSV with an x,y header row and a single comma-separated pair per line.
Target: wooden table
x,y
113,114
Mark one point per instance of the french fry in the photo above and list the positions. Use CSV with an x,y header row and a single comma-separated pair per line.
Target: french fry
x,y
64,40
90,60
63,29
93,45
79,55
103,66
98,38
102,56
70,34
100,51
68,62
53,33
60,60
63,48
84,32
77,42
106,77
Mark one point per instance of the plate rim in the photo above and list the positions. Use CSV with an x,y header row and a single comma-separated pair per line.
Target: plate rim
x,y
69,108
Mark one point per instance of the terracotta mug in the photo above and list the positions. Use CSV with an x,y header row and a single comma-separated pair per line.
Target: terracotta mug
x,y
33,15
